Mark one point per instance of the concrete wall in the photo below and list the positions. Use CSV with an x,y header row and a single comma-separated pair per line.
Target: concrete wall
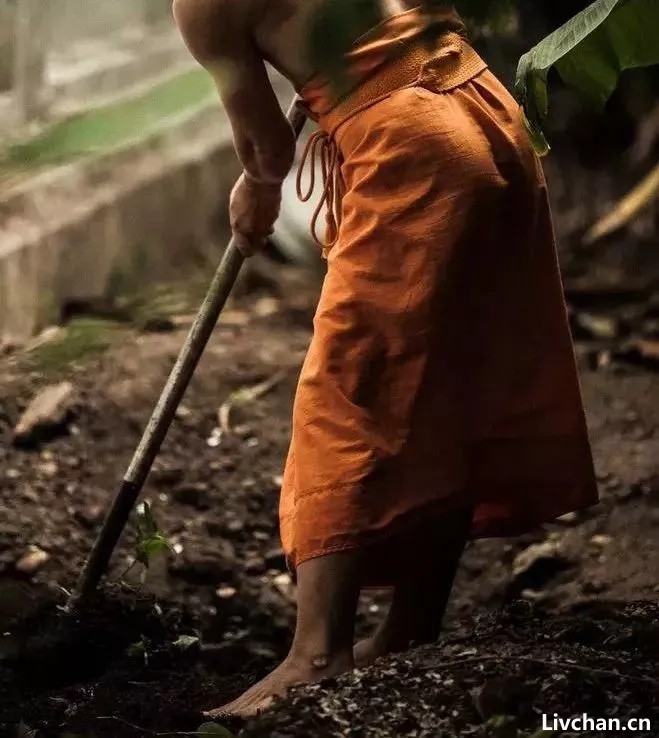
x,y
127,218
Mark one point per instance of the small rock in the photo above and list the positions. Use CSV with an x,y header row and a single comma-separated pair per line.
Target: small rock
x,y
650,328
236,318
167,476
612,483
9,536
648,488
205,567
46,415
538,564
224,464
183,413
215,438
226,593
644,352
532,595
626,494
48,469
235,526
254,565
264,307
275,559
603,327
594,586
196,495
32,561
283,583
601,540
90,516
158,324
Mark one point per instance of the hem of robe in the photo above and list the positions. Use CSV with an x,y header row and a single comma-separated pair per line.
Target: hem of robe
x,y
514,507
495,524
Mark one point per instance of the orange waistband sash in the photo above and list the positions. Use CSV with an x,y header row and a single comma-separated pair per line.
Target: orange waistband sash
x,y
447,64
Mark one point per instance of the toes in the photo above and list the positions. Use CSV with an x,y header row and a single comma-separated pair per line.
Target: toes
x,y
251,703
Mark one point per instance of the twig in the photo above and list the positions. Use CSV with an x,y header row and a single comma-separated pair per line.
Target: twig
x,y
640,197
127,570
246,395
558,664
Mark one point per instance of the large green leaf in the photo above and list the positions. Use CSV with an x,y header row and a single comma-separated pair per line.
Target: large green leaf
x,y
590,52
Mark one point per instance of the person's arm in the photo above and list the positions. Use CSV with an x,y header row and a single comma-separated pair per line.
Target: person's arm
x,y
219,35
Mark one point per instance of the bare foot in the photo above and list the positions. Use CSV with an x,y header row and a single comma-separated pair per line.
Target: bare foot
x,y
368,650
292,672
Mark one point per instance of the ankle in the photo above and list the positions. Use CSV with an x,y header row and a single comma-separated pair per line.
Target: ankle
x,y
319,661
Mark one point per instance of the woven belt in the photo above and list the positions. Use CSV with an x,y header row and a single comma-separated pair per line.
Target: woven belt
x,y
451,63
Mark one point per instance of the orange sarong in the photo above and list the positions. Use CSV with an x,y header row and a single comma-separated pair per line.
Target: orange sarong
x,y
441,371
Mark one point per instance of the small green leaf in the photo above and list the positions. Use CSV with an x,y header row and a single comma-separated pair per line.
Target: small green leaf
x,y
146,523
185,641
149,548
537,136
214,729
138,650
502,726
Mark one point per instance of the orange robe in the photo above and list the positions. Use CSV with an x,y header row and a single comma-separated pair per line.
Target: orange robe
x,y
441,371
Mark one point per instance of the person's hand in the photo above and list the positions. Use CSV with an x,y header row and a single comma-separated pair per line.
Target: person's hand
x,y
253,210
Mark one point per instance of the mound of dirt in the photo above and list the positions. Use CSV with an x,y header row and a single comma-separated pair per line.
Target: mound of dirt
x,y
214,493
497,680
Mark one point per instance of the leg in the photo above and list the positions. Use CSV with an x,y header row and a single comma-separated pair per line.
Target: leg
x,y
328,590
430,558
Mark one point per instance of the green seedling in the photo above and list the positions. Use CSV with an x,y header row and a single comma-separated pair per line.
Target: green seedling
x,y
185,642
150,541
139,650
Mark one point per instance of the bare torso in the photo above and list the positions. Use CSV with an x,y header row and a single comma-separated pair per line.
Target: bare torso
x,y
281,31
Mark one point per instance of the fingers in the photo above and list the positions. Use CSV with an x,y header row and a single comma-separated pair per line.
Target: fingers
x,y
248,245
253,210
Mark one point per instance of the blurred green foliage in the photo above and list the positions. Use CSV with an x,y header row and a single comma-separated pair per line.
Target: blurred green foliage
x,y
103,128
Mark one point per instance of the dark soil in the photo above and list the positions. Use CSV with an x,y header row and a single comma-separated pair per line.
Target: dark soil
x,y
559,635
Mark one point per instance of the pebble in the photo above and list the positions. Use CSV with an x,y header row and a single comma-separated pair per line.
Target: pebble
x,y
89,516
599,326
265,307
283,583
195,494
32,561
49,409
48,469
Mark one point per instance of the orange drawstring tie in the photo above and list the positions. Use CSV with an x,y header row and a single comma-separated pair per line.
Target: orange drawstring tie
x,y
322,145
